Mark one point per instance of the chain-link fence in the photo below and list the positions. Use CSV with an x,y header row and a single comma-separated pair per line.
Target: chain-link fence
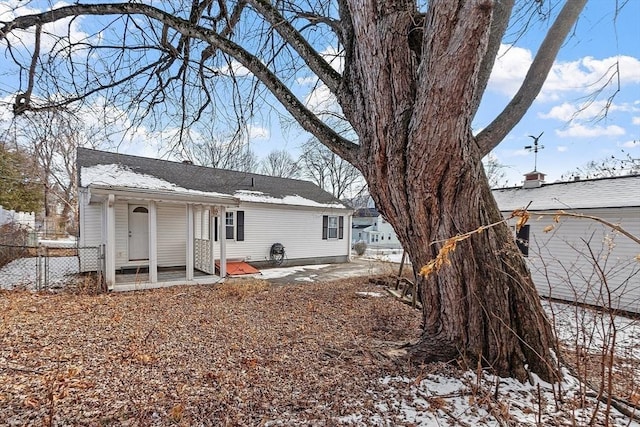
x,y
44,268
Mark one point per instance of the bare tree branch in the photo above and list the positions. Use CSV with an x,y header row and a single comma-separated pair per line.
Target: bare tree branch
x,y
493,134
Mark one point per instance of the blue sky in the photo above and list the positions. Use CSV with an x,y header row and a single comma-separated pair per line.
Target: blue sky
x,y
575,130
571,140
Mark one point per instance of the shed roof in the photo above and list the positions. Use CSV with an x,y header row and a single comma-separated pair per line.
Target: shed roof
x,y
101,168
616,192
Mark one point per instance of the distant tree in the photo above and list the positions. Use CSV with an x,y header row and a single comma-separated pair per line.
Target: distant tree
x,y
280,163
328,170
52,137
233,154
20,188
606,167
495,171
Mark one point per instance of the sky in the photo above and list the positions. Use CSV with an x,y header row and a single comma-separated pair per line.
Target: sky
x,y
568,116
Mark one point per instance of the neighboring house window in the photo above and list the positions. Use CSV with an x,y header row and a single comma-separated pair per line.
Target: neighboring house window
x,y
332,227
522,240
382,237
389,236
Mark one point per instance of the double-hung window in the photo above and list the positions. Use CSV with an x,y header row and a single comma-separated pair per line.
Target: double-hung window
x,y
332,227
229,225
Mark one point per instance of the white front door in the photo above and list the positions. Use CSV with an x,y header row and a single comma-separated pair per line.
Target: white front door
x,y
138,233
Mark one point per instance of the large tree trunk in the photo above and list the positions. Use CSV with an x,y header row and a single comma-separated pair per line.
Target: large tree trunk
x,y
411,100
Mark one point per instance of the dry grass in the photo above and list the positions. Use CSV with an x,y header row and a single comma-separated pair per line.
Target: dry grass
x,y
237,354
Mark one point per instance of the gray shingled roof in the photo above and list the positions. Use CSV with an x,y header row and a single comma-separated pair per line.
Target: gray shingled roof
x,y
207,179
622,191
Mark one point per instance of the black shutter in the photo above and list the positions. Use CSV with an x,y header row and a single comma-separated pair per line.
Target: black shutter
x,y
340,227
522,240
325,227
215,228
240,226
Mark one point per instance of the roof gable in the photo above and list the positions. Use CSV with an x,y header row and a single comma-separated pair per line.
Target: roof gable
x,y
126,171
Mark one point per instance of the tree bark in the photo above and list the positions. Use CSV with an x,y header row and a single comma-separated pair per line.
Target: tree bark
x,y
412,110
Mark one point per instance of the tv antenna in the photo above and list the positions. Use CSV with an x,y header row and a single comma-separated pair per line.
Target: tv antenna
x,y
535,148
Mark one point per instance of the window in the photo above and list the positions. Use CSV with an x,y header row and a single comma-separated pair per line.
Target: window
x,y
233,226
229,225
522,240
332,227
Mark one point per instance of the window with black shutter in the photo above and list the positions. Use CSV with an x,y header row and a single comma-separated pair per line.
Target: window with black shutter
x,y
240,226
332,227
522,240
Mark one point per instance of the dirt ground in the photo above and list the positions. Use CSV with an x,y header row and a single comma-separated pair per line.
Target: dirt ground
x,y
243,353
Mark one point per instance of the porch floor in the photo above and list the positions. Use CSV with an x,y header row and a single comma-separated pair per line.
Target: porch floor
x,y
140,280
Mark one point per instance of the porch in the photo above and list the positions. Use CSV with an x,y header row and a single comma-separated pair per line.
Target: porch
x,y
153,240
138,279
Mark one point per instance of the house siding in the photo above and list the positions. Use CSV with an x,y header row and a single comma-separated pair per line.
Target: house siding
x,y
560,261
298,229
90,217
172,235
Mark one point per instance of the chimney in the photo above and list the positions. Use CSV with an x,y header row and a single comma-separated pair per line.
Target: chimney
x,y
533,179
187,162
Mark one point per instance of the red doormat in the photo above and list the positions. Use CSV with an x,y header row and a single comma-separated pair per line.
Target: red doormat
x,y
238,268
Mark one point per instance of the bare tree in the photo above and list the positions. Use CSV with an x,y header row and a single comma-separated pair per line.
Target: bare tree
x,y
413,77
280,163
607,167
52,138
328,170
495,171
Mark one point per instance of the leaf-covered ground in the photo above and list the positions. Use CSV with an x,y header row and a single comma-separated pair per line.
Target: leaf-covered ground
x,y
253,353
236,354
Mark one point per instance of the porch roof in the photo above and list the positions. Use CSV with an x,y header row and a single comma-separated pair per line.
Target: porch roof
x,y
100,192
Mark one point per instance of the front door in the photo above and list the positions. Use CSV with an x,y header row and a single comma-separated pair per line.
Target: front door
x,y
138,233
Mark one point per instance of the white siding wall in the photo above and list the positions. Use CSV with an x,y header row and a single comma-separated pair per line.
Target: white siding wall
x,y
122,233
90,216
172,235
299,230
562,265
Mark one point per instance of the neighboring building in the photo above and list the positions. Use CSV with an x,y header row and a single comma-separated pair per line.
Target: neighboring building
x,y
370,227
563,260
171,222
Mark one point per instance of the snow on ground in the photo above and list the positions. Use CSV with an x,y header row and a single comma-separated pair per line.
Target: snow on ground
x,y
23,272
387,255
276,273
69,242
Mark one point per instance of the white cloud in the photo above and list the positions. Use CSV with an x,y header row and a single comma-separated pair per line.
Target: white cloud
x,y
584,75
582,131
257,132
635,120
631,144
69,29
235,68
510,69
562,148
567,111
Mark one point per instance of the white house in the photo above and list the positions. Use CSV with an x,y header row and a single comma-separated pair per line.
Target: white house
x,y
167,222
371,227
579,259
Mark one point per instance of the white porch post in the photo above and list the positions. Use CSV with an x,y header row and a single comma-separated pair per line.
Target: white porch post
x,y
223,242
190,243
153,242
212,244
110,247
349,235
